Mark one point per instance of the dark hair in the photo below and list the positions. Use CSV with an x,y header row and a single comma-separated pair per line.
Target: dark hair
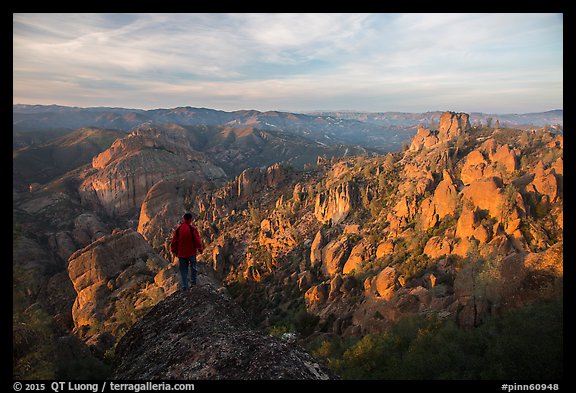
x,y
188,216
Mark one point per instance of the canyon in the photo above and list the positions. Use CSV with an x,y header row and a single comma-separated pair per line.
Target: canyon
x,y
304,242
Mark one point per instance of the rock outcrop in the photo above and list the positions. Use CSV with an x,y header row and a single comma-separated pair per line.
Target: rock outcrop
x,y
457,226
240,192
360,253
123,174
473,169
203,334
490,159
335,204
437,247
443,202
316,249
278,238
451,125
545,182
162,209
424,138
115,278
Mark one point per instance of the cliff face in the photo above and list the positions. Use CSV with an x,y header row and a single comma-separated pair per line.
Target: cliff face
x,y
335,204
203,334
123,174
116,279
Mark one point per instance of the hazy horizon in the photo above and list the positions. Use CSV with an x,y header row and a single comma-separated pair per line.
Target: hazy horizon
x,y
413,63
282,110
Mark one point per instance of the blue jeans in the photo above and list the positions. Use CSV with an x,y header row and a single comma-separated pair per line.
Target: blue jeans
x,y
183,265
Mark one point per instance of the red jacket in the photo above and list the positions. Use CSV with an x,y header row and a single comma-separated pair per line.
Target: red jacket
x,y
186,240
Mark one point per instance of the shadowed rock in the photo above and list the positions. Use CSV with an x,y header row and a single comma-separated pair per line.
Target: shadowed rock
x,y
202,334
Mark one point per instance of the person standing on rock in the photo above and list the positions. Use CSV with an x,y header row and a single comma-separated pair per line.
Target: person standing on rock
x,y
184,244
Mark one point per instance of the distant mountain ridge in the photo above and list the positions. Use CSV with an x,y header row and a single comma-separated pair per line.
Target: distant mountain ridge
x,y
322,129
385,131
535,119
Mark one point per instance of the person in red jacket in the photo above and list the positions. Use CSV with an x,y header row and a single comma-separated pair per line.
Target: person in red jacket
x,y
184,244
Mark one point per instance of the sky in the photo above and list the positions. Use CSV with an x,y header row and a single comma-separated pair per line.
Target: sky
x,y
492,63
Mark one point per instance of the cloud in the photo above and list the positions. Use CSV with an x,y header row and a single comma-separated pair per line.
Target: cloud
x,y
237,61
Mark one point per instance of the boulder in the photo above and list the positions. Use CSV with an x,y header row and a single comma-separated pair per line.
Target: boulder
x,y
357,257
444,202
545,182
445,198
437,247
461,247
352,229
249,182
87,228
488,147
334,256
558,166
305,280
276,234
62,244
386,282
385,248
467,222
276,174
428,215
335,284
162,209
482,234
486,194
402,208
299,193
316,295
506,157
473,168
424,138
499,245
222,254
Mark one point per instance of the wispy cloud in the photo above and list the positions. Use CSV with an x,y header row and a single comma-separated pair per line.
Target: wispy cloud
x,y
412,62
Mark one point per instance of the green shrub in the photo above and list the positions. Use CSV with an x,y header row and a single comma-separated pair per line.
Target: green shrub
x,y
521,344
305,323
83,368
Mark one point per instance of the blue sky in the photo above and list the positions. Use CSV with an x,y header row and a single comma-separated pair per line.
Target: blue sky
x,y
494,63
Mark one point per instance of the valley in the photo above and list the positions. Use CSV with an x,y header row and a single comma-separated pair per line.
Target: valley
x,y
338,234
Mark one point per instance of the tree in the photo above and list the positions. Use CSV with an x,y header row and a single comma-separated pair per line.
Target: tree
x,y
524,140
509,199
460,144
